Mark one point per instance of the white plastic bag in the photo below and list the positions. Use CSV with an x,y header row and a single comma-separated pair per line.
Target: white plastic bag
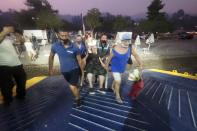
x,y
135,75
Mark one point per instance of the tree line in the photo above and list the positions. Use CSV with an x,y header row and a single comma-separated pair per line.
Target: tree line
x,y
40,15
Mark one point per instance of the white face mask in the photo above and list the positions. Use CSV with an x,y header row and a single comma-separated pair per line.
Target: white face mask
x,y
125,43
124,46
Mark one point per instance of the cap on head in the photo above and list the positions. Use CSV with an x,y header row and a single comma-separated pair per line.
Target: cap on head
x,y
126,36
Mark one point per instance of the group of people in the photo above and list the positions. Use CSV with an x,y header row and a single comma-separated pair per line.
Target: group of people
x,y
90,58
79,60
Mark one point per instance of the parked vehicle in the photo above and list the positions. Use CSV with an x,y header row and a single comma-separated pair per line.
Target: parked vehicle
x,y
185,35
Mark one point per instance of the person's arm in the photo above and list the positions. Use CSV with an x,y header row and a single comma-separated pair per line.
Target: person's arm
x,y
80,62
19,38
2,36
102,64
106,66
51,59
5,32
136,56
108,53
84,60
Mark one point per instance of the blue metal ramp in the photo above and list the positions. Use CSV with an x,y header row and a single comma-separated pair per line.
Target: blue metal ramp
x,y
165,104
172,99
46,107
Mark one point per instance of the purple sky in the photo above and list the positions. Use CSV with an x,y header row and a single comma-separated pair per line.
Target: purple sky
x,y
124,7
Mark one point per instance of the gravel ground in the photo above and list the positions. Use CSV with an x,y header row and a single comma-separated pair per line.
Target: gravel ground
x,y
39,70
181,64
180,55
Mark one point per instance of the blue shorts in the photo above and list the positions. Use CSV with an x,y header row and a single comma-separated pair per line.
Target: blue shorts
x,y
72,77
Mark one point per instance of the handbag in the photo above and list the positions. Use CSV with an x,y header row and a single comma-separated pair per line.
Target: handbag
x,y
130,61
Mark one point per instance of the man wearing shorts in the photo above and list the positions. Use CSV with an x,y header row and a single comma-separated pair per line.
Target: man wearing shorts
x,y
70,62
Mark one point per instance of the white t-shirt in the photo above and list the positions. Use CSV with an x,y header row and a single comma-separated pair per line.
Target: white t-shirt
x,y
28,46
137,40
91,43
8,55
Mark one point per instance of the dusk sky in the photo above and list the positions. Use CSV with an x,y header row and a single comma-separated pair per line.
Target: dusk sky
x,y
124,7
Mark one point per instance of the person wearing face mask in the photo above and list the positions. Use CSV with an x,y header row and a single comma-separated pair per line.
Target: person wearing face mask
x,y
119,57
103,52
83,53
94,67
70,62
81,45
103,47
11,67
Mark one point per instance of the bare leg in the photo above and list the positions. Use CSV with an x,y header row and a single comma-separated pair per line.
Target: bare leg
x,y
106,81
101,81
117,91
75,91
90,75
117,88
82,79
91,91
116,84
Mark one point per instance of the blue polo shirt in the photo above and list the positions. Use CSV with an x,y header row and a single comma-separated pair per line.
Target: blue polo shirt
x,y
67,56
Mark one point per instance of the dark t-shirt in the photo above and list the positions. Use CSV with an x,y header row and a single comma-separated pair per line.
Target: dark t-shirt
x,y
103,50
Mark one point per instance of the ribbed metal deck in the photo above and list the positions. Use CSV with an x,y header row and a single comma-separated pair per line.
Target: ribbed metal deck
x,y
167,103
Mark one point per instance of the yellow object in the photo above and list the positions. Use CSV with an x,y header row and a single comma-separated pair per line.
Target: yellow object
x,y
34,80
185,75
175,71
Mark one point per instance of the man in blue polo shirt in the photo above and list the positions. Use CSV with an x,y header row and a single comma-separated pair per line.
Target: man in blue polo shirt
x,y
70,62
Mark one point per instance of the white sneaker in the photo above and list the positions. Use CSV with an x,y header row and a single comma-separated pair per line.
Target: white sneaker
x,y
91,91
119,100
101,90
